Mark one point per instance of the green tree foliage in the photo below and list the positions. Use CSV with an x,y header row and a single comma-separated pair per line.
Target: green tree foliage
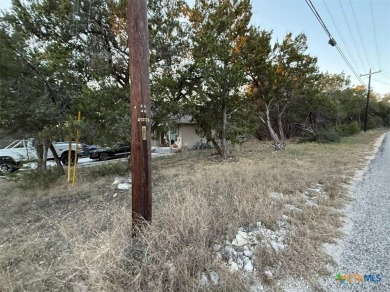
x,y
61,57
77,51
219,28
278,81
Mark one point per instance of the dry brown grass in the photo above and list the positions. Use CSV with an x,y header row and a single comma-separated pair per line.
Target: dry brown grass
x,y
64,239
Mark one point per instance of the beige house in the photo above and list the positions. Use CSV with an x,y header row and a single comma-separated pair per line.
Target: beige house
x,y
183,134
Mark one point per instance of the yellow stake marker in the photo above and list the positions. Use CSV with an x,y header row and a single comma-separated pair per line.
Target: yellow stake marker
x,y
75,155
69,157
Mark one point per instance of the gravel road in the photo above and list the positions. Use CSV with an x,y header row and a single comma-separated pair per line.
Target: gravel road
x,y
365,249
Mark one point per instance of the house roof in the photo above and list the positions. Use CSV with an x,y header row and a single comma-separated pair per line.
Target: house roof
x,y
185,120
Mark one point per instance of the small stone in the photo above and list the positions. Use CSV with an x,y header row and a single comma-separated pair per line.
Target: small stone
x,y
239,241
230,251
124,186
233,266
248,267
216,247
268,274
114,195
277,246
214,277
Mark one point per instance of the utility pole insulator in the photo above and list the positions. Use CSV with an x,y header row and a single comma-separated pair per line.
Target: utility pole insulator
x,y
141,173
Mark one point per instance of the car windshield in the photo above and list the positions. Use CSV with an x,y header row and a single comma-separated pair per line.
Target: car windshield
x,y
118,145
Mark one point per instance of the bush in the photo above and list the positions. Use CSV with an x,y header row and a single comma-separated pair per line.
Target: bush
x,y
321,136
327,136
349,129
106,169
39,179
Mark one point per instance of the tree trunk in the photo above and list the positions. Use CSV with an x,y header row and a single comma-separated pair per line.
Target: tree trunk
x,y
46,144
57,159
223,133
280,126
44,157
215,144
277,143
39,149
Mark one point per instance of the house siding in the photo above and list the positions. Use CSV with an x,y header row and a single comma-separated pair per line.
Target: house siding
x,y
188,135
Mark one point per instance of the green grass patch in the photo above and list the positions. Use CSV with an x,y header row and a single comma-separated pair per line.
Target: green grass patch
x,y
108,169
38,179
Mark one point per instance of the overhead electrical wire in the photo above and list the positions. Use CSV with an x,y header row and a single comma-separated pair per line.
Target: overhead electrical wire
x,y
360,35
332,42
382,82
376,40
340,35
353,39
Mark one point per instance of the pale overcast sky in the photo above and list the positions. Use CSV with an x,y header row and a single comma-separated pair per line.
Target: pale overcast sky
x,y
361,28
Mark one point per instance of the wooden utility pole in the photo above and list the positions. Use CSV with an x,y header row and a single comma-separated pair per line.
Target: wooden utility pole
x,y
368,97
141,173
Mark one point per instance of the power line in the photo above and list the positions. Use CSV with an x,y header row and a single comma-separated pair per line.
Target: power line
x,y
349,65
341,37
353,39
382,82
360,35
376,41
332,42
317,15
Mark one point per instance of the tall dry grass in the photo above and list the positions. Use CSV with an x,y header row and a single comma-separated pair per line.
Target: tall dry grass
x,y
80,240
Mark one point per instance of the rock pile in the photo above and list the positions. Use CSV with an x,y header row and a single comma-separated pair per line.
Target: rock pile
x,y
239,253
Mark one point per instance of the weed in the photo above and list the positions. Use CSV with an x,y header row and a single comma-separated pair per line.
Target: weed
x,y
108,169
349,129
38,179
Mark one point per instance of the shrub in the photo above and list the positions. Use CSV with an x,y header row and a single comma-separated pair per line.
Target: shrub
x,y
39,179
106,169
349,129
327,136
321,136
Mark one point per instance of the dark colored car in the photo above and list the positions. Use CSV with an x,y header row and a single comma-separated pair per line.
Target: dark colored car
x,y
121,149
86,149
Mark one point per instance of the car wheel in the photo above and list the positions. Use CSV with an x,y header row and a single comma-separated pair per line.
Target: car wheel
x,y
103,156
64,159
5,168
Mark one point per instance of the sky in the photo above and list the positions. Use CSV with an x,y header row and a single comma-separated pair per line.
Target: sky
x,y
361,29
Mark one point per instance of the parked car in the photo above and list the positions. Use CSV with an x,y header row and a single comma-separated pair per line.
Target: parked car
x,y
14,155
121,149
86,149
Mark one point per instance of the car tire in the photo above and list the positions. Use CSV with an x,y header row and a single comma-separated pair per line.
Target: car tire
x,y
103,156
64,158
6,168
